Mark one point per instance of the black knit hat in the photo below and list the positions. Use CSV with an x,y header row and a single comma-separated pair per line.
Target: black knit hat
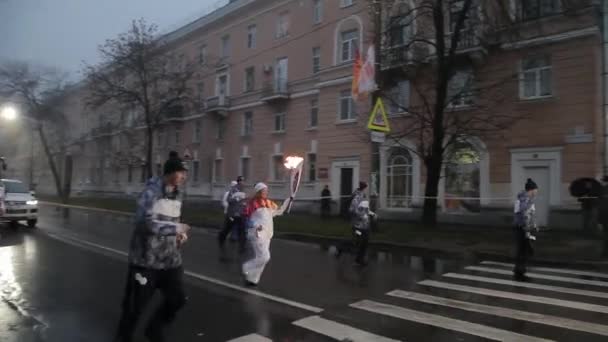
x,y
530,185
362,185
174,164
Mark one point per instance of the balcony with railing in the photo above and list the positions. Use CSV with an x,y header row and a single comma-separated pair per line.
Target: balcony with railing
x,y
218,105
275,91
175,113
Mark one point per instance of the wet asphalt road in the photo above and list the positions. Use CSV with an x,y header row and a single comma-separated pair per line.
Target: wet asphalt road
x,y
64,282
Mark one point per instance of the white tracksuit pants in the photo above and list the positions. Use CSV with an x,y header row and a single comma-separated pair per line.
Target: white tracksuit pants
x,y
253,268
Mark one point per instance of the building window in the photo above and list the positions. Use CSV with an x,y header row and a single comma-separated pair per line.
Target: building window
x,y
129,174
536,77
247,124
178,135
225,47
534,9
279,122
160,138
159,169
346,3
201,94
245,167
218,171
195,170
142,179
347,106
196,137
282,25
400,30
202,55
251,36
312,167
249,79
317,15
221,129
316,60
399,178
314,113
349,44
399,98
460,89
462,182
278,169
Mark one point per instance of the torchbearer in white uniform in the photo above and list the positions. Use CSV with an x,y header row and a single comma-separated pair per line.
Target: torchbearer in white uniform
x,y
260,213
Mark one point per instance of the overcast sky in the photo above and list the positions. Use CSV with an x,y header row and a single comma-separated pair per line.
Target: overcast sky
x,y
63,33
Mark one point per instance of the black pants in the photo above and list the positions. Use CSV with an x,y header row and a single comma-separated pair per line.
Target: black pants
x,y
359,244
523,251
141,285
229,224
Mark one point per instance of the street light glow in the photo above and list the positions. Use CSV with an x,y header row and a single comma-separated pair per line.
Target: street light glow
x,y
9,113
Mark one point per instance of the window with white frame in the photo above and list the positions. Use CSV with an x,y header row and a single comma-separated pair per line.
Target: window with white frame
x,y
316,60
178,135
129,174
195,170
400,29
198,128
399,171
202,55
534,9
142,178
218,170
247,124
347,106
159,169
160,137
225,47
282,25
245,167
221,128
536,77
201,94
279,122
312,167
399,98
278,169
317,14
460,89
249,79
346,3
349,44
251,36
314,113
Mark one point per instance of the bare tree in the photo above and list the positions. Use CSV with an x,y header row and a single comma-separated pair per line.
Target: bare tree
x,y
40,92
139,72
440,46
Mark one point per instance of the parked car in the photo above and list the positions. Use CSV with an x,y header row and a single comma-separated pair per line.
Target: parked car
x,y
19,203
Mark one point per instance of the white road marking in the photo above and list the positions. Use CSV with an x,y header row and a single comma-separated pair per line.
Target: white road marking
x,y
86,244
444,322
339,331
541,276
559,322
529,285
517,296
551,269
251,338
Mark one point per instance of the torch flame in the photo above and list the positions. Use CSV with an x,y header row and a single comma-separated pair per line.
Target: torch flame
x,y
293,162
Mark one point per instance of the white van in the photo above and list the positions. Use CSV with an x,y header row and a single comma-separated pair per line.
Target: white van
x,y
19,203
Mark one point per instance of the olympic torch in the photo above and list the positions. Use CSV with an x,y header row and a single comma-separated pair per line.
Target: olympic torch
x,y
294,164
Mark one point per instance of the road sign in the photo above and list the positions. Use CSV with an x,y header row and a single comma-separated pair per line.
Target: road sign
x,y
378,137
378,121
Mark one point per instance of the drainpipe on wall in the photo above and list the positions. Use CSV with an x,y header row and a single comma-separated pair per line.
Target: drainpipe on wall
x,y
604,27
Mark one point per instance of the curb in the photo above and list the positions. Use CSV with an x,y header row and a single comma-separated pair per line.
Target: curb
x,y
455,253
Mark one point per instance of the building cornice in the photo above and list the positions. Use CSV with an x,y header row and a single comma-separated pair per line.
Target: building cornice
x,y
555,38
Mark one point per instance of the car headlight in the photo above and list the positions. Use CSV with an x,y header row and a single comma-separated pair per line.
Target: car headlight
x,y
32,202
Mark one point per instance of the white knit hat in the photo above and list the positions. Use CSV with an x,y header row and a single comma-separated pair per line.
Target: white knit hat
x,y
260,186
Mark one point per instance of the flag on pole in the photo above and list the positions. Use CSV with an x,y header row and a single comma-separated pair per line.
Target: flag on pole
x,y
367,74
356,75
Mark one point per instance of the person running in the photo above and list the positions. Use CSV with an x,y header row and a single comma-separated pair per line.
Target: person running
x,y
525,224
259,214
155,261
234,221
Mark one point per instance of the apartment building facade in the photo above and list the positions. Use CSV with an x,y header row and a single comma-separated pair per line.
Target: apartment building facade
x,y
275,80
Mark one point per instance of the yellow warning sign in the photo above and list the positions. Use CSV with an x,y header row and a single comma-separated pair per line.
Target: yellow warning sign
x,y
378,121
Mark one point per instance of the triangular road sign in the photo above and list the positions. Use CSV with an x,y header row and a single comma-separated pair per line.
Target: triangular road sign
x,y
378,121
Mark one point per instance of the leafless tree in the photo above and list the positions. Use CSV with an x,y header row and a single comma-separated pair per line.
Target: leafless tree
x,y
141,72
40,93
429,42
